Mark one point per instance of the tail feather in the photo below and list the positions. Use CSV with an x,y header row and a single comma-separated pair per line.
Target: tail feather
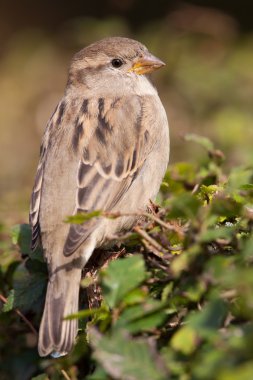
x,y
57,335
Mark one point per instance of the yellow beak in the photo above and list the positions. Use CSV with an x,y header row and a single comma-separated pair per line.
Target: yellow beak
x,y
146,65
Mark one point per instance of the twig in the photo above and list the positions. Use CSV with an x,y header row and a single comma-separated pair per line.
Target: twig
x,y
157,265
150,240
151,248
167,226
21,315
229,294
65,375
195,189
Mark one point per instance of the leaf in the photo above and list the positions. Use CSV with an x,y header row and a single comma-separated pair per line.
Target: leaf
x,y
240,178
246,186
121,277
185,340
167,290
207,192
146,316
242,372
22,235
126,359
98,374
83,314
184,206
208,362
135,296
10,302
217,233
203,141
226,207
248,249
183,261
180,263
29,288
83,217
209,319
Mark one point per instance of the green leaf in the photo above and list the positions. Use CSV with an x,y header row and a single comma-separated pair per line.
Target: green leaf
x,y
207,192
248,249
183,261
217,233
242,372
10,302
209,319
29,288
203,141
146,316
167,290
98,374
135,296
183,206
226,207
121,277
83,217
240,178
124,358
83,314
208,362
22,235
185,340
246,186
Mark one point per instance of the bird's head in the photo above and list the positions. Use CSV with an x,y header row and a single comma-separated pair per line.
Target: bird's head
x,y
112,63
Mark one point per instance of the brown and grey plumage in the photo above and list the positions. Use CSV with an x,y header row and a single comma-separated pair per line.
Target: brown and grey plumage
x,y
106,147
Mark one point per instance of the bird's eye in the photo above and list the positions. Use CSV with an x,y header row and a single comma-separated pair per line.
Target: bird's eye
x,y
116,62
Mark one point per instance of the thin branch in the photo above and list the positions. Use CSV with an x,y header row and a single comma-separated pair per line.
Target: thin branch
x,y
166,225
65,375
152,249
158,248
21,315
195,189
157,265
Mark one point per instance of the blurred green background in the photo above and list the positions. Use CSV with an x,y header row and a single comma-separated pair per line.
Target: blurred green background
x,y
206,87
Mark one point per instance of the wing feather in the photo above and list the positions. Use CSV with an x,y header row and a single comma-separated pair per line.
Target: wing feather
x,y
110,159
56,118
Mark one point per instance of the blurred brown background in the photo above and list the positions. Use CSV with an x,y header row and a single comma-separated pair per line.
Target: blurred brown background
x,y
206,87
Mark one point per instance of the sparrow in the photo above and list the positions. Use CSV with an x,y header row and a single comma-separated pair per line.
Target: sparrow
x,y
106,147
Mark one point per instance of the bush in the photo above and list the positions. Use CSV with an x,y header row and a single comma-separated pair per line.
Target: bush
x,y
177,304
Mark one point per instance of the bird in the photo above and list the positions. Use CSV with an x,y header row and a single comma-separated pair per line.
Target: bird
x,y
106,147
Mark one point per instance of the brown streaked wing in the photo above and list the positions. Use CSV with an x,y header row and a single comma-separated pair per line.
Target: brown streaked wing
x,y
110,162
